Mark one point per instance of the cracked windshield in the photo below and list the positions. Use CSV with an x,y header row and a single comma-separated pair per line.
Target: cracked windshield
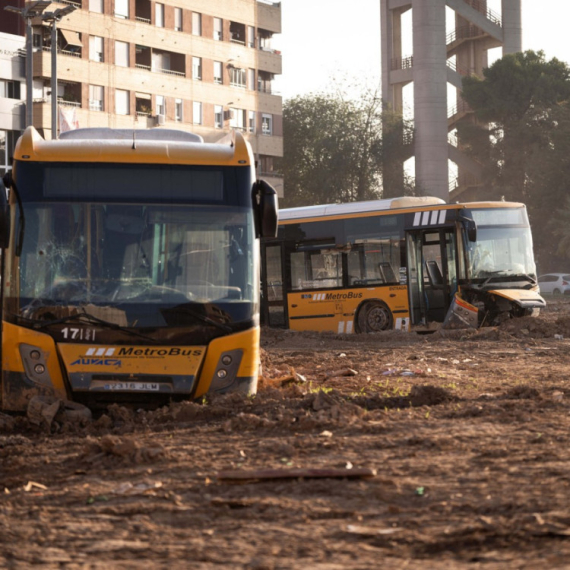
x,y
504,241
128,263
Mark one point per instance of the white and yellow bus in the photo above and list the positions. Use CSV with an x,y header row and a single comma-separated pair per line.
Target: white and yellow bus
x,y
398,264
131,266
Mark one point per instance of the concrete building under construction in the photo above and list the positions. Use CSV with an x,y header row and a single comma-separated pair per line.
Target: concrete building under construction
x,y
441,57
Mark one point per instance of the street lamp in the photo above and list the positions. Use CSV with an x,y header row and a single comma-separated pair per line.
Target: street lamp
x,y
53,18
30,10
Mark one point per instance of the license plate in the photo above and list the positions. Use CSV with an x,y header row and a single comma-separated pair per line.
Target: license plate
x,y
129,386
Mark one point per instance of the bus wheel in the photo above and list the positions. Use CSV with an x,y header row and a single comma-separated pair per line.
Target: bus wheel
x,y
374,316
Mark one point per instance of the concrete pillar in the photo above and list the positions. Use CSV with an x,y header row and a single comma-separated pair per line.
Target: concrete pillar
x,y
387,50
512,26
430,97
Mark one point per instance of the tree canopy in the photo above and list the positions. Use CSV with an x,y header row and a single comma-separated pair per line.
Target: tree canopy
x,y
334,148
522,138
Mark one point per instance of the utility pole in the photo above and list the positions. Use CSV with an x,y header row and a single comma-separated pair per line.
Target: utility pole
x,y
53,18
31,10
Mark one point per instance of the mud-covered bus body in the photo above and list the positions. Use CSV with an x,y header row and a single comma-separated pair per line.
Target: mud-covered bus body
x,y
399,264
131,267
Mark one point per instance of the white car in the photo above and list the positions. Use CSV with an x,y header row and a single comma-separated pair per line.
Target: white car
x,y
554,283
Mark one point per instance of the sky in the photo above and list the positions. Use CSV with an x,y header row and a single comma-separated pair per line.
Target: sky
x,y
326,41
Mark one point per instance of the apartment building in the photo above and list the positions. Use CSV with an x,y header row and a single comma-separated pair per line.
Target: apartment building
x,y
12,91
205,66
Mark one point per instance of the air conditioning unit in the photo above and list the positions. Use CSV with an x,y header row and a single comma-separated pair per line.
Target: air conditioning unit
x,y
160,120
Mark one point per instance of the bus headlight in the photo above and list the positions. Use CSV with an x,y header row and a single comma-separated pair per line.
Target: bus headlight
x,y
226,370
35,364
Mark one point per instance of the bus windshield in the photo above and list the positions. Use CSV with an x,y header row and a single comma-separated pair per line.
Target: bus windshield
x,y
502,252
132,263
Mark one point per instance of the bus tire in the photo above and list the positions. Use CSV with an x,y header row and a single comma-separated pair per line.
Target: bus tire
x,y
374,316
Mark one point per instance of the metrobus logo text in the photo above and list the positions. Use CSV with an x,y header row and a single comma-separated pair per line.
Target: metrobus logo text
x,y
158,352
338,296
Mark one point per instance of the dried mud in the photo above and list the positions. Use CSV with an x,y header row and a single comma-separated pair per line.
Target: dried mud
x,y
466,433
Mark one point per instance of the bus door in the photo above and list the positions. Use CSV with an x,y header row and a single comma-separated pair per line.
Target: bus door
x,y
432,273
274,306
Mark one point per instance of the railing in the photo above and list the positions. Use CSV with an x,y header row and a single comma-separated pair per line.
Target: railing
x,y
269,3
62,51
65,103
463,180
236,84
236,41
483,9
461,107
458,68
141,66
143,20
70,3
170,72
402,63
464,33
143,113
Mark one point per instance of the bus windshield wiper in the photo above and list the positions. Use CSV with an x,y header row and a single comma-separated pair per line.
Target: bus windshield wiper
x,y
88,318
188,311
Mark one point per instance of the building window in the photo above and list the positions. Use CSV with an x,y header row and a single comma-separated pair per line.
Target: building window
x,y
237,77
197,113
267,124
179,110
159,15
121,102
177,19
95,48
218,116
218,29
95,98
122,8
252,79
160,105
143,104
121,53
196,24
251,36
251,121
197,68
237,119
96,6
10,89
218,72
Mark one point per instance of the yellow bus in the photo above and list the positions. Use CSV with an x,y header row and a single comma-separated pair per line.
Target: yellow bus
x,y
398,264
131,266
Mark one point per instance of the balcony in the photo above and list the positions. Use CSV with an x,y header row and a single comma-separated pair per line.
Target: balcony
x,y
160,61
143,11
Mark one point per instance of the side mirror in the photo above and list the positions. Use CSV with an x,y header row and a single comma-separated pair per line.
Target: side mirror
x,y
5,183
266,208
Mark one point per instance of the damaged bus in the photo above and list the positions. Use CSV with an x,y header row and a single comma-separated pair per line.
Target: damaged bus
x,y
131,266
412,263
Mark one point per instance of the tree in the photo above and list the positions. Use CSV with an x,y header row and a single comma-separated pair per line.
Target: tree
x,y
333,149
522,140
514,104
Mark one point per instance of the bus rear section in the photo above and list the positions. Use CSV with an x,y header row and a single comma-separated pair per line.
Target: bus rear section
x,y
132,269
398,264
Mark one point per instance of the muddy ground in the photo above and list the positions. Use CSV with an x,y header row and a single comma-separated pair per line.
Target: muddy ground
x,y
441,452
